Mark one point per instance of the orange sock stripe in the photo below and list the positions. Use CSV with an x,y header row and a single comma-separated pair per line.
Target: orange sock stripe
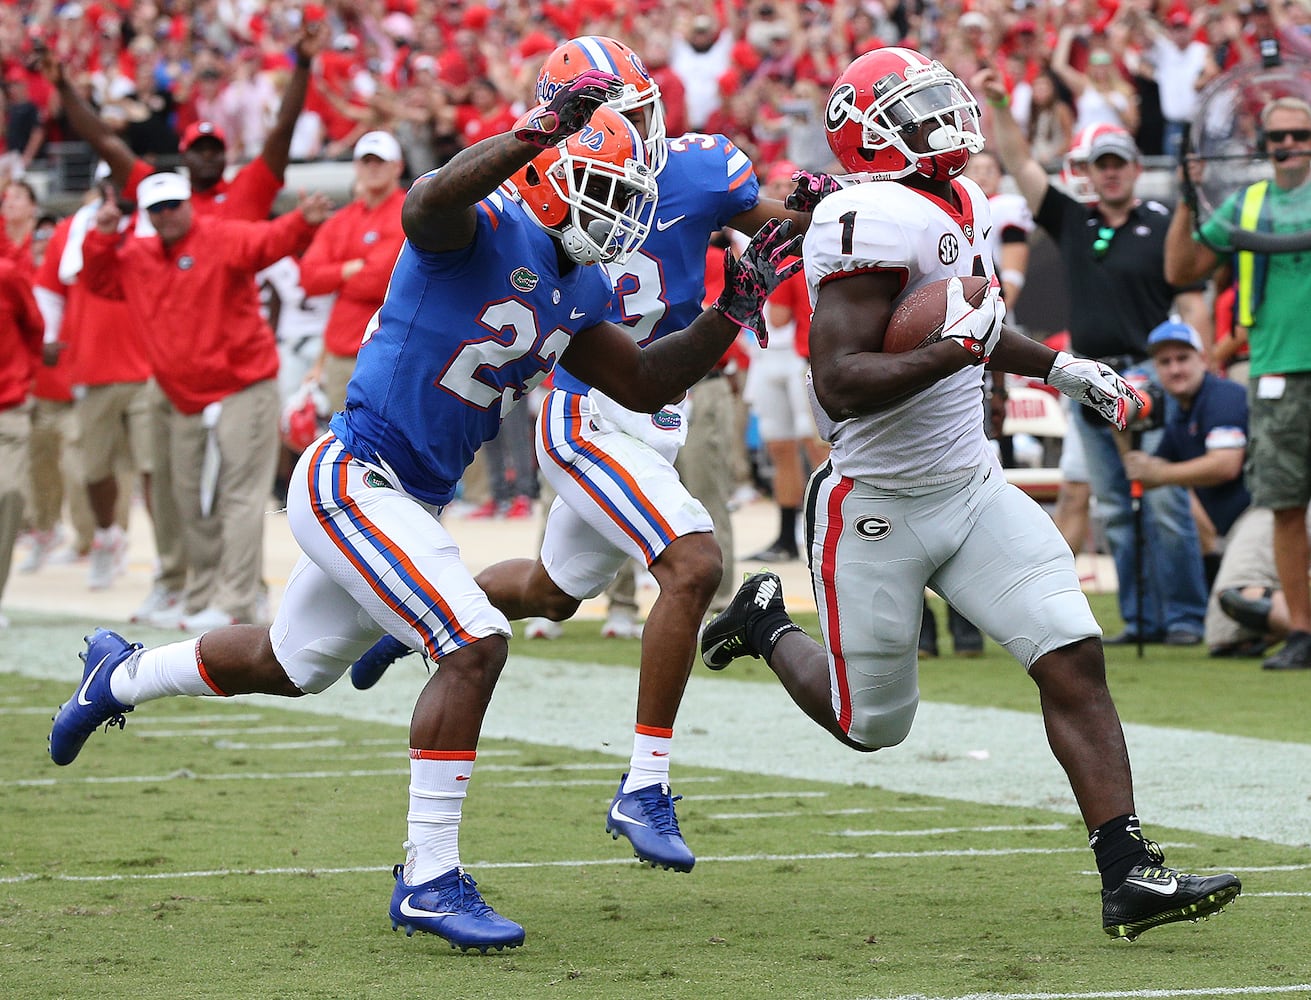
x,y
659,731
416,754
204,674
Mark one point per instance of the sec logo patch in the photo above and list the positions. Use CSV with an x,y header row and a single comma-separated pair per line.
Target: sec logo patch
x,y
873,527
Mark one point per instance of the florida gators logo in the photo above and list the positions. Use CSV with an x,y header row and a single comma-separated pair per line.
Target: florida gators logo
x,y
523,279
667,420
592,138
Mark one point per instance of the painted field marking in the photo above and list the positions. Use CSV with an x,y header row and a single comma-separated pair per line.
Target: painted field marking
x,y
939,831
575,863
1214,991
859,811
165,734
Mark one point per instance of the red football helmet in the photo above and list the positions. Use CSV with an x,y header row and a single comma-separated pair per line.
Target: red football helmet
x,y
595,191
641,93
304,417
1074,165
895,112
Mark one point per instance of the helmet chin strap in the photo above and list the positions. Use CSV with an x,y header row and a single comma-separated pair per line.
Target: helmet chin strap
x,y
589,248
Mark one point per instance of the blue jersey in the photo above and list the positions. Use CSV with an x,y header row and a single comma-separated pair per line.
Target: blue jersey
x,y
1217,419
705,183
460,338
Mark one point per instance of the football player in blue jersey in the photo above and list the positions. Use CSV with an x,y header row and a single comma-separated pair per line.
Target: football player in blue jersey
x,y
489,292
612,465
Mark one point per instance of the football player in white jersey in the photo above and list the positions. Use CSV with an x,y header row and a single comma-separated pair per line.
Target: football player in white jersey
x,y
913,496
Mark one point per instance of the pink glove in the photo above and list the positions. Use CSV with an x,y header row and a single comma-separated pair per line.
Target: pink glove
x,y
569,110
749,279
810,190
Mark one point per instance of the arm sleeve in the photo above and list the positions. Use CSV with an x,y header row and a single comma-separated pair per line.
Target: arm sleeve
x,y
320,268
259,244
100,265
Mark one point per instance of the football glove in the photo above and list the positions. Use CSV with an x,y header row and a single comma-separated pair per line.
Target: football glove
x,y
810,190
569,110
976,330
1096,385
750,278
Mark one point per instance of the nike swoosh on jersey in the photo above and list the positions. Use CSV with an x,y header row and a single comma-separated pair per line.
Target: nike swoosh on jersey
x,y
663,224
617,815
414,911
987,232
576,314
1160,888
81,692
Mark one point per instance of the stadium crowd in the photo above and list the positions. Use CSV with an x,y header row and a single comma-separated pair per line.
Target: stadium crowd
x,y
439,76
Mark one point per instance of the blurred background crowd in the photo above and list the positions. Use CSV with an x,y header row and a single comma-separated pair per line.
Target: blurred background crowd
x,y
439,75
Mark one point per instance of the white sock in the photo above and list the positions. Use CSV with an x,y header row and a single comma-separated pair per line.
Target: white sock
x,y
438,782
649,764
159,673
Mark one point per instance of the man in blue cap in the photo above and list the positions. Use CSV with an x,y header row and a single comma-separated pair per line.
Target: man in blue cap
x,y
1203,447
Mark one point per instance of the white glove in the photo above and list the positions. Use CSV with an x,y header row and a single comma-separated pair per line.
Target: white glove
x,y
1094,384
976,330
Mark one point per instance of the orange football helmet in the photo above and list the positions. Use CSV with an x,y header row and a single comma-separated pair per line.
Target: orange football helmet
x,y
595,191
641,92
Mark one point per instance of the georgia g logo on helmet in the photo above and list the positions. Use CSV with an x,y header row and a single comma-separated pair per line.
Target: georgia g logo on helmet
x,y
841,107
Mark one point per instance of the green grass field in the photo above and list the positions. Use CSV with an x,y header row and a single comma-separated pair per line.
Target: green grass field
x,y
243,849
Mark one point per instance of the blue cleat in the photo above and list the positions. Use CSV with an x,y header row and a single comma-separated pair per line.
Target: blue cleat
x,y
369,668
451,907
646,817
93,705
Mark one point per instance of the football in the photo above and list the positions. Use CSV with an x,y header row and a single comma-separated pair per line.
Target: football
x,y
917,320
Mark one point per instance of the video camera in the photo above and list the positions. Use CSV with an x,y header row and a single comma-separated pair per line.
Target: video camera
x,y
1152,415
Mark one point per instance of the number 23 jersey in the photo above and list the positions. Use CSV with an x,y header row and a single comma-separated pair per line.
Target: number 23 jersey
x,y
884,226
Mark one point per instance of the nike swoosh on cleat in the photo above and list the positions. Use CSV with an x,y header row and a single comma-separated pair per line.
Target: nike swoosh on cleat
x,y
81,692
663,224
710,655
413,911
1161,889
577,314
618,816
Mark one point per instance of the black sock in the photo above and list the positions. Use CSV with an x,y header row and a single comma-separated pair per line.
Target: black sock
x,y
787,528
765,630
1118,845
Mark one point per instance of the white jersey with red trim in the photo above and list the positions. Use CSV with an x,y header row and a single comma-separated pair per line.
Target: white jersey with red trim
x,y
937,433
1011,222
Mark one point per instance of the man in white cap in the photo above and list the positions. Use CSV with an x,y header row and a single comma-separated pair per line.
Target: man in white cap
x,y
352,256
190,288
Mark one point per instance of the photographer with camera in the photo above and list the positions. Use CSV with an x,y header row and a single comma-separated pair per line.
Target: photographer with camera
x,y
1202,447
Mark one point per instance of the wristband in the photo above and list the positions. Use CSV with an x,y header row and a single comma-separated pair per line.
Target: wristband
x,y
1002,102
1010,276
303,63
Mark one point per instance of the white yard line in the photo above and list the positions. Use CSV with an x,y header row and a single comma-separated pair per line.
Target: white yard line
x,y
1213,991
1208,782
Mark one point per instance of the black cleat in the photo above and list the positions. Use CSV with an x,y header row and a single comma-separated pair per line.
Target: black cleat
x,y
1152,894
724,638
